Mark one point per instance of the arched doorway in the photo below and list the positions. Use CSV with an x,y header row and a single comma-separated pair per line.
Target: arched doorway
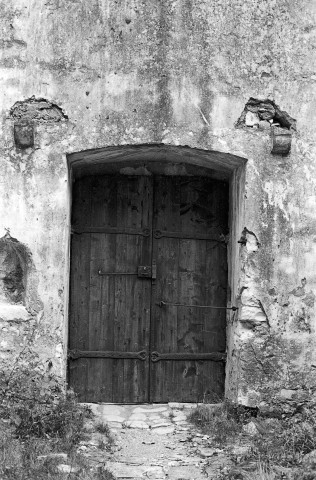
x,y
149,267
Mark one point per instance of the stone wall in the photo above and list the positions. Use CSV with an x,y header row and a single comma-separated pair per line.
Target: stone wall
x,y
79,74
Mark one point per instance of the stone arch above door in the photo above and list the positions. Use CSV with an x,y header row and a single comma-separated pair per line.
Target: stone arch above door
x,y
154,158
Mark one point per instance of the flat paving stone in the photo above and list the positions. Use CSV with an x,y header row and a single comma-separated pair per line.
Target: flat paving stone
x,y
64,468
163,430
161,424
208,452
185,473
149,410
123,470
154,417
137,417
166,413
136,424
181,406
132,460
112,418
180,416
160,420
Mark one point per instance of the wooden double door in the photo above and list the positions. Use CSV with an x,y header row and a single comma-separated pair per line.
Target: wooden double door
x,y
148,266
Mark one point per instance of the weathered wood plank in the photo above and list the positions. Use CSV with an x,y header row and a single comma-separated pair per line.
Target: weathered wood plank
x,y
98,374
80,289
166,253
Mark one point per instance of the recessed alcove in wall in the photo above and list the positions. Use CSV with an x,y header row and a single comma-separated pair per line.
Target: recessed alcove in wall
x,y
14,266
209,170
18,280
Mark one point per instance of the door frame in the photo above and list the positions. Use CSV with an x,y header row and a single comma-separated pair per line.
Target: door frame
x,y
162,159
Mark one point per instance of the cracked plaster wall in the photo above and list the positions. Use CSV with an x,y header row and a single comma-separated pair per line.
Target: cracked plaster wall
x,y
179,73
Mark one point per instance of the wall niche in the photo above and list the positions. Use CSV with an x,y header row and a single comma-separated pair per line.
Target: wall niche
x,y
15,265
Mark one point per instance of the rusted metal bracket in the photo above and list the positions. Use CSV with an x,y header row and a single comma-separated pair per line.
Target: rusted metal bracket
x,y
214,356
75,354
145,232
162,304
24,134
187,236
281,139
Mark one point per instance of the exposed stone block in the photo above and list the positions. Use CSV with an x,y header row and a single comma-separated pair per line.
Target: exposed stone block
x,y
251,119
265,110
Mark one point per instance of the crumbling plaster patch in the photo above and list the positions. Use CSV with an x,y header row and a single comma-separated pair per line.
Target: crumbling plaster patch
x,y
37,110
268,309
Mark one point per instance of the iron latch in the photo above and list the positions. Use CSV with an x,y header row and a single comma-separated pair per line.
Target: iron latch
x,y
144,271
147,271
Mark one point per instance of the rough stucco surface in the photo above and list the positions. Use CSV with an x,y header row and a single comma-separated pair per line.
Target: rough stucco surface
x,y
179,73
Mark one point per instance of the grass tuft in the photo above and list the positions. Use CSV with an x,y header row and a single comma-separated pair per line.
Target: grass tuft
x,y
274,443
103,428
222,422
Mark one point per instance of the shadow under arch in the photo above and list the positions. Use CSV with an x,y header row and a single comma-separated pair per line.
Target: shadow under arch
x,y
161,159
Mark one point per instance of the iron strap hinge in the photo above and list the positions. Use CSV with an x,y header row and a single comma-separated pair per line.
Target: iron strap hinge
x,y
143,355
188,236
75,354
214,356
162,304
77,229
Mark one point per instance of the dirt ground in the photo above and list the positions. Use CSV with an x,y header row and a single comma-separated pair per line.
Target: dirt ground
x,y
156,442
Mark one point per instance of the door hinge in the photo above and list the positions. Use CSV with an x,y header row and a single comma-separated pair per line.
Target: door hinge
x,y
163,304
186,356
